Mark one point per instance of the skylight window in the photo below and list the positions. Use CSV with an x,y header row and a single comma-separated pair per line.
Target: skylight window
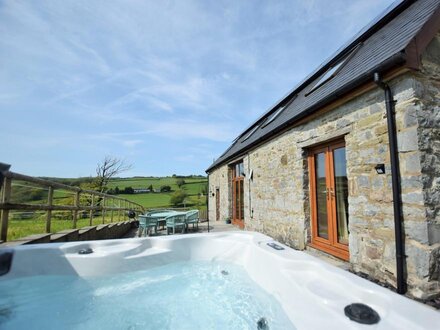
x,y
252,131
274,115
329,74
333,70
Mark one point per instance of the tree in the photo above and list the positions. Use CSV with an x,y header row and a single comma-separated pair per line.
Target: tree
x,y
180,182
128,190
107,169
150,187
178,197
165,189
204,189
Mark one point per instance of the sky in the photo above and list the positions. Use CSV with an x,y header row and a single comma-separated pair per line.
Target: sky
x,y
163,85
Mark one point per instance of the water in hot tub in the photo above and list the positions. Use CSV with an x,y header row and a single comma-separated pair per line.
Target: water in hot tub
x,y
190,295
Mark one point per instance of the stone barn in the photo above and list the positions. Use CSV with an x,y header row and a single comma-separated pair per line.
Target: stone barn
x,y
348,163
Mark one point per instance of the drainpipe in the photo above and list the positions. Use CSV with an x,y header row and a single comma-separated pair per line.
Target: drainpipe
x,y
207,202
395,176
251,215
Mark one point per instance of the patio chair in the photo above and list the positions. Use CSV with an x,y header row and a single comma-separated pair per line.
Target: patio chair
x,y
192,217
146,223
175,221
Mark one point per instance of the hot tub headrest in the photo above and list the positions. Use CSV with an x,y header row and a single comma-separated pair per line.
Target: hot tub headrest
x,y
5,260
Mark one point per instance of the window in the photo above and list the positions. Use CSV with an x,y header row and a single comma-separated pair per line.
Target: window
x,y
329,74
252,131
333,70
274,115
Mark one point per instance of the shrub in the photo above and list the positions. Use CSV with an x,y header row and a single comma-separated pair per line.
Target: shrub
x,y
165,189
178,197
180,182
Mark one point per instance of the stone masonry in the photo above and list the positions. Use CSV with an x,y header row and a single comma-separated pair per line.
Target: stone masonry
x,y
276,199
220,180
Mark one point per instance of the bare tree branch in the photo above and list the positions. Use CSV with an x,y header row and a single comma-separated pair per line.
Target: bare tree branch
x,y
107,169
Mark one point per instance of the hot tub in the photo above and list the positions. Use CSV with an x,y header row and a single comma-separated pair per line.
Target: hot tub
x,y
218,280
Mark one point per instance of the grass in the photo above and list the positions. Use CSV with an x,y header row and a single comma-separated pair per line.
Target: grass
x,y
37,225
158,200
155,182
150,200
193,187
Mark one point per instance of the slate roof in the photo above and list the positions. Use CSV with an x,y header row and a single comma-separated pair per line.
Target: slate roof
x,y
380,46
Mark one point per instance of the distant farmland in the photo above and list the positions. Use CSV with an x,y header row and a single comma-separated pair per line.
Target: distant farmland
x,y
194,187
23,223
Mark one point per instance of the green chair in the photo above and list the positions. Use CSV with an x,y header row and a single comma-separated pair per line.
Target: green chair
x,y
145,225
192,217
175,221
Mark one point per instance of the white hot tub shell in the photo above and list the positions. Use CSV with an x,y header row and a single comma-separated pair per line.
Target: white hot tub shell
x,y
312,293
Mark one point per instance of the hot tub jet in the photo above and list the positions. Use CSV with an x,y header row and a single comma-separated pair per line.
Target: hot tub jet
x,y
262,324
85,251
361,313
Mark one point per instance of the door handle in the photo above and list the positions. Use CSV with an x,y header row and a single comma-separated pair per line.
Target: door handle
x,y
332,192
329,192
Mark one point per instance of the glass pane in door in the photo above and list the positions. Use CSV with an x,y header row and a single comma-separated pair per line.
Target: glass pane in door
x,y
237,199
341,194
241,200
321,195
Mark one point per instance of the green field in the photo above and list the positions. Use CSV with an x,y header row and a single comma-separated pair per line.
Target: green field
x,y
37,223
193,187
27,223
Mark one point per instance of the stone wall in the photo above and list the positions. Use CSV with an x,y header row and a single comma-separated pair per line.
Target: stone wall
x,y
428,134
274,197
220,180
277,197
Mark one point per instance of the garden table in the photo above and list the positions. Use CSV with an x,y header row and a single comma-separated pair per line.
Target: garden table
x,y
160,216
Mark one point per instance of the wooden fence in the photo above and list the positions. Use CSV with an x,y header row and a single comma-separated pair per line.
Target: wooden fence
x,y
84,200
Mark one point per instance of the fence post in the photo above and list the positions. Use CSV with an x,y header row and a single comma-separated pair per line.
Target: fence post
x,y
49,212
92,210
103,210
111,212
5,212
119,210
75,212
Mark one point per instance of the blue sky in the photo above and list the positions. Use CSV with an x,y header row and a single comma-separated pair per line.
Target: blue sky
x,y
165,85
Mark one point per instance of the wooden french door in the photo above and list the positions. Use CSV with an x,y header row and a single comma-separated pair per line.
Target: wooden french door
x,y
237,195
329,199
